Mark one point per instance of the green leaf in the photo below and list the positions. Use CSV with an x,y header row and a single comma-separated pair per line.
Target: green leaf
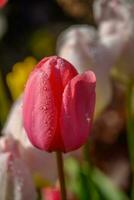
x,y
73,180
106,188
89,183
79,181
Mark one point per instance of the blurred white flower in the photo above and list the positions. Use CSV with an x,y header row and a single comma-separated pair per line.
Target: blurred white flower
x,y
15,178
82,46
73,44
40,163
105,10
14,125
116,30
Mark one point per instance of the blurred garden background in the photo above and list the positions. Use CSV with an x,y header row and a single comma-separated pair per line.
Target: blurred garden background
x,y
96,35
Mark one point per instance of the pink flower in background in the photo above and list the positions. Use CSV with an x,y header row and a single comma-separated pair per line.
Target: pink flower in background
x,y
58,105
51,194
3,3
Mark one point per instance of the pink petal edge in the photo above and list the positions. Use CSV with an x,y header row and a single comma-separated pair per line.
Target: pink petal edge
x,y
77,110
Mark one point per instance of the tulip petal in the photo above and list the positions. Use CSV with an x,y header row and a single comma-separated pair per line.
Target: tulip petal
x,y
39,111
77,110
60,72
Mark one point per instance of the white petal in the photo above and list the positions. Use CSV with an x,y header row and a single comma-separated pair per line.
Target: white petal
x,y
15,179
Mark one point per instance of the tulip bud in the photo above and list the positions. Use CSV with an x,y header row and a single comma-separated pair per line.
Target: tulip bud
x,y
58,105
15,178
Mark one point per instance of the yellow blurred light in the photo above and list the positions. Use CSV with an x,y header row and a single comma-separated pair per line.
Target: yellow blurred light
x,y
39,181
17,78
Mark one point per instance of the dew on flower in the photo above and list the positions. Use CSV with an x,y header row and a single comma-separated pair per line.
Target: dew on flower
x,y
67,73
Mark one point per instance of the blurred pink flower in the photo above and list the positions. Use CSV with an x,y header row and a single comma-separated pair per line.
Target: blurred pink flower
x,y
51,194
3,3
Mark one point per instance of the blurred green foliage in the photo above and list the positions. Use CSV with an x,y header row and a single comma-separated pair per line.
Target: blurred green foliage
x,y
91,184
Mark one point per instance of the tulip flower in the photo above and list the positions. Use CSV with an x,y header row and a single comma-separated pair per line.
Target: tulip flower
x,y
40,163
15,178
51,194
58,105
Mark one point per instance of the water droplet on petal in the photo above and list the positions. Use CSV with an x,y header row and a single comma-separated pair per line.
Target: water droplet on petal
x,y
45,108
88,119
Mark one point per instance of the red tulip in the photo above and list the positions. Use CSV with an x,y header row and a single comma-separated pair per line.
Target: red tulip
x,y
58,105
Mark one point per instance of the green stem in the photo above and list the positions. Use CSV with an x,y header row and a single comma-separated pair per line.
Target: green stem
x,y
130,132
61,175
93,193
86,152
